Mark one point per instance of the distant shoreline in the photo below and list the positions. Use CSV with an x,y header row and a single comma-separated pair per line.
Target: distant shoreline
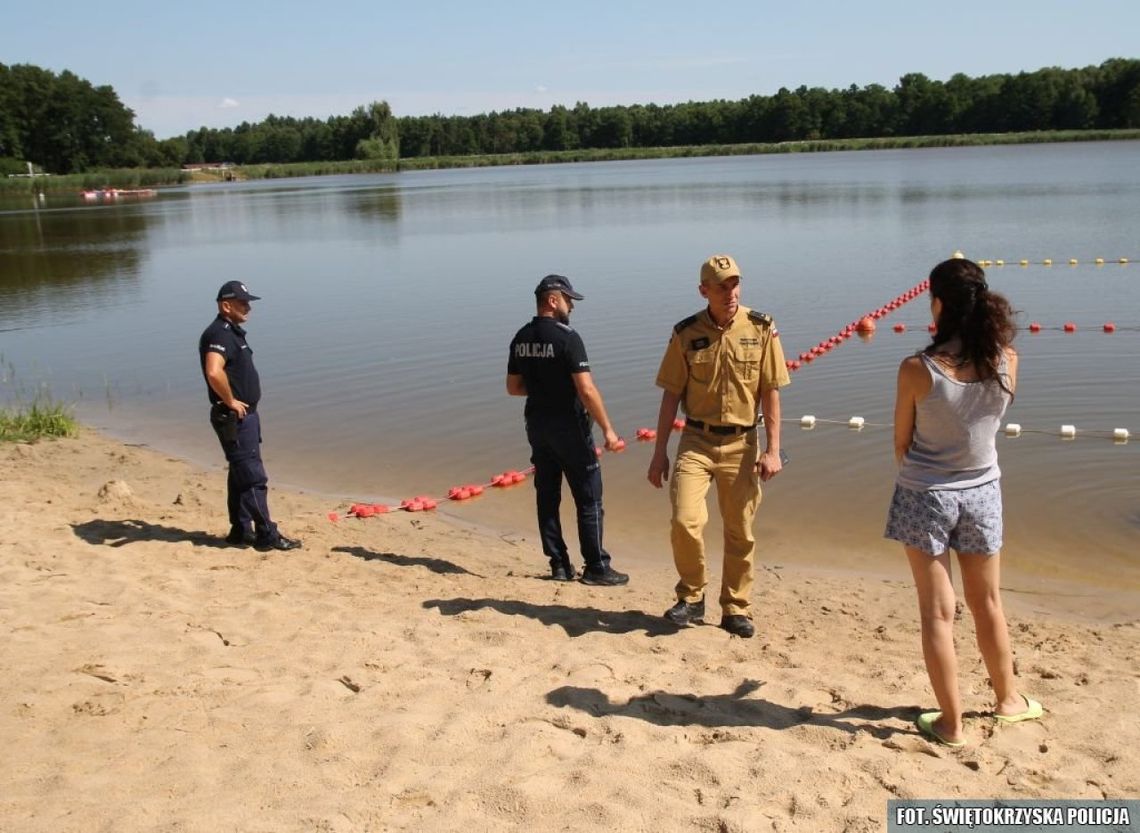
x,y
152,177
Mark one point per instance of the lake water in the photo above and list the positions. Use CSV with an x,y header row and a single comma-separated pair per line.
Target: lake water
x,y
389,301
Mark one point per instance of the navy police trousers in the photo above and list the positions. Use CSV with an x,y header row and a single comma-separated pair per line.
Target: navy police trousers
x,y
564,446
247,492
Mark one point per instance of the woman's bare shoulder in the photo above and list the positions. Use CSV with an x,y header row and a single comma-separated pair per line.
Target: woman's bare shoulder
x,y
913,373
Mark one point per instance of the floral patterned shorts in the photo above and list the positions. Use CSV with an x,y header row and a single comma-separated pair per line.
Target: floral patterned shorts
x,y
966,520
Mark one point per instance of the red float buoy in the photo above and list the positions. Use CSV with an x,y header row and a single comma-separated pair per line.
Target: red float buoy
x,y
678,425
1070,327
900,328
1109,327
1034,327
866,324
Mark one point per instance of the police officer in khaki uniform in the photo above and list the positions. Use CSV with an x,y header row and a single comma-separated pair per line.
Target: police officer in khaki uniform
x,y
720,363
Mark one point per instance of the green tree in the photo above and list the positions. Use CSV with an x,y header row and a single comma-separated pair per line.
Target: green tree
x,y
382,138
557,133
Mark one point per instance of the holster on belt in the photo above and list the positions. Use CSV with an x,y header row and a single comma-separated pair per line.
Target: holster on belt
x,y
225,422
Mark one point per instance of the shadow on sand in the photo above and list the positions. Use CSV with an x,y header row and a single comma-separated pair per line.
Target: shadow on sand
x,y
729,710
576,621
120,533
436,565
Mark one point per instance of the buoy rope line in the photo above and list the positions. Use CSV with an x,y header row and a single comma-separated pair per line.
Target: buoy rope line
x,y
423,503
1034,327
865,324
1048,261
1011,429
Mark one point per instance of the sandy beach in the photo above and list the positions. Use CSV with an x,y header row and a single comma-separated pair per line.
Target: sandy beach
x,y
407,673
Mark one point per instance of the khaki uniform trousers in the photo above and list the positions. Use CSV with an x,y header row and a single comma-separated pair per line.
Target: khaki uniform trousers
x,y
730,462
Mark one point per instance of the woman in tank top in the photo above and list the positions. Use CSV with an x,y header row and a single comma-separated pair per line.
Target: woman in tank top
x,y
950,401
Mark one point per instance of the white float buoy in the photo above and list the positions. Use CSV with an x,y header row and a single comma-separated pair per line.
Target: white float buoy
x,y
1120,434
856,422
1068,431
807,421
1012,429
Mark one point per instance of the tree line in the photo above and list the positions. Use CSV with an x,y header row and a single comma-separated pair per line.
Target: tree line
x,y
65,124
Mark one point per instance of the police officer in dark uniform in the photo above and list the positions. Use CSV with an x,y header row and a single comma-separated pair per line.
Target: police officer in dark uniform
x,y
235,389
548,366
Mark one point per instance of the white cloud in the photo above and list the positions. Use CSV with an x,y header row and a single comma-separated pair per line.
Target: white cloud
x,y
228,104
540,88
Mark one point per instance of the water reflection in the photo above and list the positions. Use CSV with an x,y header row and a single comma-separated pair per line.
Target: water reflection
x,y
384,205
53,262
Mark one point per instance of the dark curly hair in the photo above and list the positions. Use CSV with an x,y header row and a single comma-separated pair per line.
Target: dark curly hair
x,y
980,319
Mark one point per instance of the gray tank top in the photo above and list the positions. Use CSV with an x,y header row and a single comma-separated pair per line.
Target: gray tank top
x,y
954,431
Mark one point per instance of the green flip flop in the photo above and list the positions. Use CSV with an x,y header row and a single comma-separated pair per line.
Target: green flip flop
x,y
1033,711
925,724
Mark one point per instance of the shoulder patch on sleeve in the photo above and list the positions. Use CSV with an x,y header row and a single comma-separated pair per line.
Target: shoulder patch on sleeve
x,y
688,322
762,318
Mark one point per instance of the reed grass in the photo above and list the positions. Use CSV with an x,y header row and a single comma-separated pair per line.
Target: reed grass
x,y
92,180
39,420
760,148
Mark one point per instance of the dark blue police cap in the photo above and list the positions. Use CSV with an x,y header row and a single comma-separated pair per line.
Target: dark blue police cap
x,y
556,283
235,291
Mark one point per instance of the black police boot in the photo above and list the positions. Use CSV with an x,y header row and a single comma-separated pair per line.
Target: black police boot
x,y
278,542
684,613
604,576
242,538
738,625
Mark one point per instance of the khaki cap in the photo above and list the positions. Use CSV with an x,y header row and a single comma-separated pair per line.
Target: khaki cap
x,y
718,269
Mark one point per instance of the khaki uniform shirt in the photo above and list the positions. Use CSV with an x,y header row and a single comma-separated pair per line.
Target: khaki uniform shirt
x,y
717,372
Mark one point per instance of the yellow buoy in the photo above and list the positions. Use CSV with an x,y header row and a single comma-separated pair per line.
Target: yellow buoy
x,y
1072,261
1047,262
999,263
1099,261
1024,262
1123,260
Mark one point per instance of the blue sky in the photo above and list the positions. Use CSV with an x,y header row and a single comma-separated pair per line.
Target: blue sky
x,y
184,65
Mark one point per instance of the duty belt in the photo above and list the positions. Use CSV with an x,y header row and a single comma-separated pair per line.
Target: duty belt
x,y
723,430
